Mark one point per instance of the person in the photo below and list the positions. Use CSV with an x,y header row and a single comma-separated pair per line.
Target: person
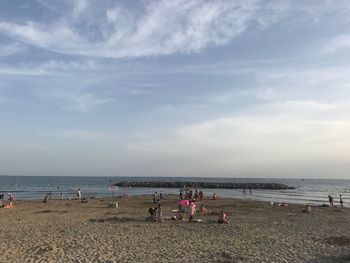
x,y
223,218
202,210
341,201
152,211
201,196
161,196
250,191
154,197
159,213
192,211
307,209
10,200
330,199
46,199
196,194
61,195
79,194
181,195
1,199
214,197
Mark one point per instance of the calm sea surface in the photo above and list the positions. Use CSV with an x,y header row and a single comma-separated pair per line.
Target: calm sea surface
x,y
312,191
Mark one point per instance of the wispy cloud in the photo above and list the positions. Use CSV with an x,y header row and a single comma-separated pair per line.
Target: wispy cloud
x,y
49,67
158,27
163,28
78,101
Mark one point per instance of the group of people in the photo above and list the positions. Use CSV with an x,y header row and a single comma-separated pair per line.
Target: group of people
x,y
189,194
189,202
331,201
156,199
10,200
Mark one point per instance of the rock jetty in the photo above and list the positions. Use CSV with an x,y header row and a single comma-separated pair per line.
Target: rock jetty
x,y
223,185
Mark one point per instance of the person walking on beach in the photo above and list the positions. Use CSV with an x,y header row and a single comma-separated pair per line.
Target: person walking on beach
x,y
341,201
79,194
192,210
330,199
181,195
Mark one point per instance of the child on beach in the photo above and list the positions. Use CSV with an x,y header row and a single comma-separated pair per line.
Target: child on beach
x,y
192,211
223,218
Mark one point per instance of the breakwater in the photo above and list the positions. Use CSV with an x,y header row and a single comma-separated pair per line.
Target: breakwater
x,y
222,185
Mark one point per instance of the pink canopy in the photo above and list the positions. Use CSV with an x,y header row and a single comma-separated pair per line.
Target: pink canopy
x,y
183,202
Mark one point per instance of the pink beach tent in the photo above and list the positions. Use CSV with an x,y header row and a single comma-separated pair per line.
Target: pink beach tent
x,y
183,202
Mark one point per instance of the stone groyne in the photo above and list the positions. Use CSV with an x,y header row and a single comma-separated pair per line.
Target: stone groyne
x,y
222,185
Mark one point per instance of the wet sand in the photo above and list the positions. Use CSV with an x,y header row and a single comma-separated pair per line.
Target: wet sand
x,y
71,231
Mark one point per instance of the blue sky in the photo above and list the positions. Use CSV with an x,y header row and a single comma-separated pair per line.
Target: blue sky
x,y
175,88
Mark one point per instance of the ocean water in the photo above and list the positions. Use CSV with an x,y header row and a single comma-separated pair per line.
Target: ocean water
x,y
311,191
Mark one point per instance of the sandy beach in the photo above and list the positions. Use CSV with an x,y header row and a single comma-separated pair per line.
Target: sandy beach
x,y
72,231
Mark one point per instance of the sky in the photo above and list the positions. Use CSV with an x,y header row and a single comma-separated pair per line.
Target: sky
x,y
244,88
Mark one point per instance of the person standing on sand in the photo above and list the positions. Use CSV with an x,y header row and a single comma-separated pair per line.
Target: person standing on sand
x,y
341,201
196,194
181,195
154,197
330,199
192,210
201,195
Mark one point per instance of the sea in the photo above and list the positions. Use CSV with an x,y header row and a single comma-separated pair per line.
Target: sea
x,y
307,191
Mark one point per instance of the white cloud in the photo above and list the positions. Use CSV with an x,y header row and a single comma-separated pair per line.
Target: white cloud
x,y
275,135
337,43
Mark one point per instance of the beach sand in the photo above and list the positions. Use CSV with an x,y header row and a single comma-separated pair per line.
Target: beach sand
x,y
71,231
